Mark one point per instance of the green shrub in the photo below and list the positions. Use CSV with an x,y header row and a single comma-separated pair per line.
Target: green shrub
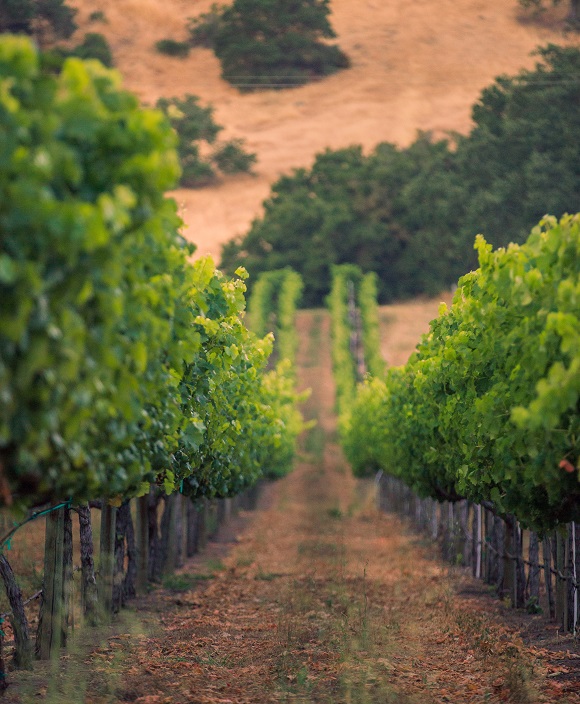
x,y
98,16
195,125
94,46
204,29
275,43
539,6
172,48
46,20
230,157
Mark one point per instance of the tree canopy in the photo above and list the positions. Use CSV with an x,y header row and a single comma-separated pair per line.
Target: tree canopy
x,y
411,215
271,43
47,20
197,130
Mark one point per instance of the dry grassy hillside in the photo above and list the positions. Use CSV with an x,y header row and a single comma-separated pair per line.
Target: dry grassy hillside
x,y
415,65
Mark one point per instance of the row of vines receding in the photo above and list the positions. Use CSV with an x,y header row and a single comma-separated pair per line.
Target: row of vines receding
x,y
126,371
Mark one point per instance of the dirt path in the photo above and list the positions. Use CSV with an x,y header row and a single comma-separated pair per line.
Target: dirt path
x,y
324,600
415,65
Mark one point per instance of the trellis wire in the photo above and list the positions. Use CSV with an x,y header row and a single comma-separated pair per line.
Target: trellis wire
x,y
401,499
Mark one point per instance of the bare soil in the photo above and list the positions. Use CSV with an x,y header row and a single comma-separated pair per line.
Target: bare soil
x,y
415,66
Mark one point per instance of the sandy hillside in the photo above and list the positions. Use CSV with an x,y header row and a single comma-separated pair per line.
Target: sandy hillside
x,y
415,65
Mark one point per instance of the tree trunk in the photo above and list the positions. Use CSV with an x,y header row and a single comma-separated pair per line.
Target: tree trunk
x,y
574,15
89,594
22,645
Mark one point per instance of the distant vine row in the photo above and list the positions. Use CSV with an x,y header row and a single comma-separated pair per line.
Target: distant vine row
x,y
354,323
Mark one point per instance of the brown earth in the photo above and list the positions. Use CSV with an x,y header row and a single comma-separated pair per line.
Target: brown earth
x,y
415,65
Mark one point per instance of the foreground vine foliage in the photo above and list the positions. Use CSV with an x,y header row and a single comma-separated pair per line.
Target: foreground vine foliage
x,y
121,363
487,408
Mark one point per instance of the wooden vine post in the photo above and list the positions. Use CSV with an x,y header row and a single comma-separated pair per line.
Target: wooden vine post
x,y
89,594
548,581
509,565
107,558
142,541
476,542
53,620
184,529
192,529
173,506
520,590
534,573
561,600
573,577
203,524
464,537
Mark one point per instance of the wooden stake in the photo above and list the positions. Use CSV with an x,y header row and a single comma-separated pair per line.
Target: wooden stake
x,y
169,537
520,586
192,529
548,582
476,542
533,592
561,591
142,540
509,565
50,635
89,594
107,558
